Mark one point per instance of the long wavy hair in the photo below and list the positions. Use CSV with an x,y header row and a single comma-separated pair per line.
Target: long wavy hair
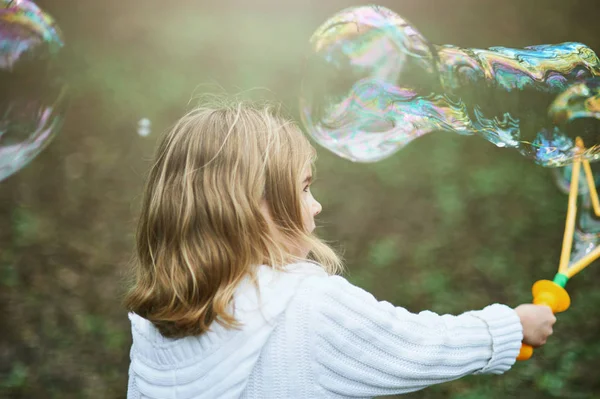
x,y
201,228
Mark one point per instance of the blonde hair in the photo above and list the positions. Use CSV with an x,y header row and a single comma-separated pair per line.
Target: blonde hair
x,y
201,229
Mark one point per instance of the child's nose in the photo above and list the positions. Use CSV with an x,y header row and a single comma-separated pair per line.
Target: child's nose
x,y
317,208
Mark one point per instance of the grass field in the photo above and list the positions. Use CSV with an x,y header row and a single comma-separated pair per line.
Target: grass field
x,y
448,224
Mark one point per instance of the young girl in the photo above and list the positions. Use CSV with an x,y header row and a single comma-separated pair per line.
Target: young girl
x,y
235,297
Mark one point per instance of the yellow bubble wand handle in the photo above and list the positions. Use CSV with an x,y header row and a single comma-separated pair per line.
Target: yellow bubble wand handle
x,y
553,293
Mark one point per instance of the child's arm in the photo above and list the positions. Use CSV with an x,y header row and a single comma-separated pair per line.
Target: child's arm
x,y
363,347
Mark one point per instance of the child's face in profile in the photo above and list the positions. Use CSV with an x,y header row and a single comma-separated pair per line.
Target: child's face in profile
x,y
310,208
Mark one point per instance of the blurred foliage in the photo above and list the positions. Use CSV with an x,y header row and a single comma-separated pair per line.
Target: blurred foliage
x,y
448,224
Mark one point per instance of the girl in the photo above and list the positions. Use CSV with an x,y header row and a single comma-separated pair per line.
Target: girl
x,y
234,296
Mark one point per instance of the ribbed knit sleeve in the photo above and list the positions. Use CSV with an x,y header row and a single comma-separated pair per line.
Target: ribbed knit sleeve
x,y
366,348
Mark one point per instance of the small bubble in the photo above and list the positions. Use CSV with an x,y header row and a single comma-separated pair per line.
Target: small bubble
x,y
144,127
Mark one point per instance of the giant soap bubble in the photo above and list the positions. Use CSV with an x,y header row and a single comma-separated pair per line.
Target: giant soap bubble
x,y
373,83
32,97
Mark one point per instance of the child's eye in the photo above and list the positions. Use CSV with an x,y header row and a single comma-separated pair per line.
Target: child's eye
x,y
306,189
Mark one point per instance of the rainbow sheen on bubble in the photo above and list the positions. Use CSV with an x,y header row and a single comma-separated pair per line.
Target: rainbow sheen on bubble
x,y
33,95
373,84
581,100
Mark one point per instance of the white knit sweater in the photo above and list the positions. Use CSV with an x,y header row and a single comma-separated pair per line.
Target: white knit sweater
x,y
318,336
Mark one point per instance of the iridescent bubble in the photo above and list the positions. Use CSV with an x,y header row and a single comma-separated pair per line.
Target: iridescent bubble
x,y
33,97
373,84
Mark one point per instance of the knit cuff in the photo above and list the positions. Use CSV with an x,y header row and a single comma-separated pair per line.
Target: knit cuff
x,y
506,330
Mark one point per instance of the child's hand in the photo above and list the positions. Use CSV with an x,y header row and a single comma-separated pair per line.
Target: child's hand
x,y
537,321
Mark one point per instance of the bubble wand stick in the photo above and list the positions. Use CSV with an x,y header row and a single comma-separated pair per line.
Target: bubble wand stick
x,y
553,293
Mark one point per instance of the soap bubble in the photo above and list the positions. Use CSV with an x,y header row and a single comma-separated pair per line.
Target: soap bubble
x,y
373,84
144,127
33,97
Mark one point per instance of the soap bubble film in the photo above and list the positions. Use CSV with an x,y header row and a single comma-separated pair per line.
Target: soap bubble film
x,y
373,84
33,101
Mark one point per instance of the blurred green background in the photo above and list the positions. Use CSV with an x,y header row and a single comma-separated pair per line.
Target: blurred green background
x,y
449,224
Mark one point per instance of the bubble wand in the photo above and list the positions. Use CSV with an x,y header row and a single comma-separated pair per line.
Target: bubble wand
x,y
553,293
